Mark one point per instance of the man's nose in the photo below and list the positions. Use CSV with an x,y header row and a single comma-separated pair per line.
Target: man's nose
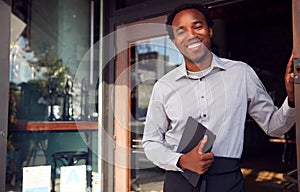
x,y
191,33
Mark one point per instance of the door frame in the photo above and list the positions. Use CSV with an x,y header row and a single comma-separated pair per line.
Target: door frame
x,y
296,48
5,11
122,94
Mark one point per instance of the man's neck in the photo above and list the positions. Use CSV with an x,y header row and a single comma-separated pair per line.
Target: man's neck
x,y
199,66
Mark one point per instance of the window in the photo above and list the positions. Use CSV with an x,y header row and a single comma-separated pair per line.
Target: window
x,y
53,84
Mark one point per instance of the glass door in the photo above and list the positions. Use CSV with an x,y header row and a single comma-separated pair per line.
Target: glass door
x,y
144,54
150,59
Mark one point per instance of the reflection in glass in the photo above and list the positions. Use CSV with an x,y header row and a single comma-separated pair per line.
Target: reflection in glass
x,y
48,41
150,60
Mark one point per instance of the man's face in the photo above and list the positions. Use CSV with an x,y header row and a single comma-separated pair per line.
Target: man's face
x,y
192,36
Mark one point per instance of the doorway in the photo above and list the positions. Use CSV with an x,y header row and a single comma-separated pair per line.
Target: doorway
x,y
266,48
145,53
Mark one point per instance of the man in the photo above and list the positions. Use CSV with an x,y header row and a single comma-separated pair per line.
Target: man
x,y
218,93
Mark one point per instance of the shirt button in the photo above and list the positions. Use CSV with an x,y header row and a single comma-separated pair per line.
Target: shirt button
x,y
204,115
202,97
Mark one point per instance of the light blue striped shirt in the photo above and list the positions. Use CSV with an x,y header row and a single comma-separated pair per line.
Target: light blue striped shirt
x,y
220,100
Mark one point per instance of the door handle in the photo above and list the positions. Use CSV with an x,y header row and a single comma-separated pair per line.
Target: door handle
x,y
297,70
2,133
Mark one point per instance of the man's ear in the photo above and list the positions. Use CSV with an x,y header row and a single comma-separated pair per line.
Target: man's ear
x,y
210,31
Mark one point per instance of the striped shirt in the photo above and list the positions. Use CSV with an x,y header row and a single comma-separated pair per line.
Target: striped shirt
x,y
220,99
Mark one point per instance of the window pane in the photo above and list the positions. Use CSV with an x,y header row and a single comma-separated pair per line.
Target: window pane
x,y
53,104
150,60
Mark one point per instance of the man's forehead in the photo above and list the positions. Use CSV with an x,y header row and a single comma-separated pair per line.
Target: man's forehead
x,y
193,16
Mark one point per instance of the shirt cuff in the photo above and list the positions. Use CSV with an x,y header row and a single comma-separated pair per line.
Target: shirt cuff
x,y
287,110
177,167
173,164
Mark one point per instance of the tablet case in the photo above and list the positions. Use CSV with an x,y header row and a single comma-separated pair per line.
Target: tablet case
x,y
192,134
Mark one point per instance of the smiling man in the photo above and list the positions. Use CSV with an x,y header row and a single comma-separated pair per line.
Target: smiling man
x,y
218,93
191,35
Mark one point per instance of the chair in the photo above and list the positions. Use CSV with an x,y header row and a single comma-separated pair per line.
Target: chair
x,y
70,158
292,181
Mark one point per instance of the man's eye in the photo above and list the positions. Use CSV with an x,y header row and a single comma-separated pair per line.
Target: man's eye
x,y
198,26
180,32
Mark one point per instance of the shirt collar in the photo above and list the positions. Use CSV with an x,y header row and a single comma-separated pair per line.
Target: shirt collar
x,y
216,63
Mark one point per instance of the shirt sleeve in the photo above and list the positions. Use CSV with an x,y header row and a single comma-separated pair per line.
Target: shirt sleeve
x,y
275,122
156,126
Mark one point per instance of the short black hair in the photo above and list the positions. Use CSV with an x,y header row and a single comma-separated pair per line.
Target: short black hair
x,y
182,7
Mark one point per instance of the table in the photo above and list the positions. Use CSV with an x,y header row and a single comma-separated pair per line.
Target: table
x,y
54,126
289,150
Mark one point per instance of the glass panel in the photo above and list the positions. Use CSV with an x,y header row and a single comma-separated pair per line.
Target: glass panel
x,y
53,88
150,59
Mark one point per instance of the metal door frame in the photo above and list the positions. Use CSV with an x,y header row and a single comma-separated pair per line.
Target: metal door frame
x,y
5,11
296,49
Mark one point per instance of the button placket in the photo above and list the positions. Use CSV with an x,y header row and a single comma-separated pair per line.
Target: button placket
x,y
203,101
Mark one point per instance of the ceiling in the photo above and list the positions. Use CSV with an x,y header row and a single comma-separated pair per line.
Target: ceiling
x,y
245,9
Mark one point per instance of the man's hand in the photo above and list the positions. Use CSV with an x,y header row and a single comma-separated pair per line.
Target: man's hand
x,y
196,160
289,82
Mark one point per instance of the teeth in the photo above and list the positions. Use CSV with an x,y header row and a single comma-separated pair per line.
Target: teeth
x,y
193,45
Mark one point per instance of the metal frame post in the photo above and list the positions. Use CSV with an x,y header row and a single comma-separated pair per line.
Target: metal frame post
x,y
296,48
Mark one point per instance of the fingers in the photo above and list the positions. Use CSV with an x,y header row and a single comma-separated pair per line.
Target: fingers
x,y
291,78
206,161
201,144
196,160
289,67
